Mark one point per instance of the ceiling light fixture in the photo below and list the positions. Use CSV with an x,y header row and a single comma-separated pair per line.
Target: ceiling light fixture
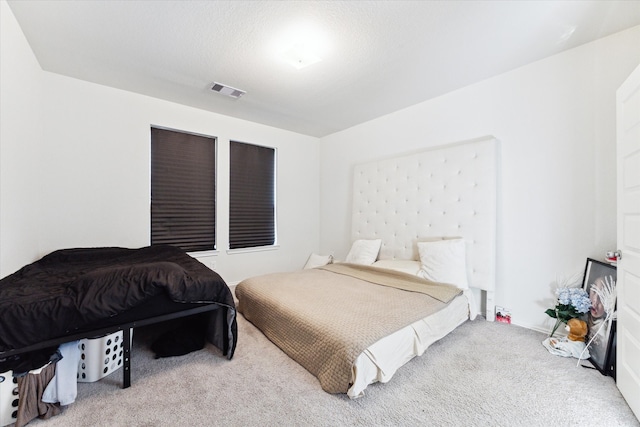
x,y
227,90
300,56
301,45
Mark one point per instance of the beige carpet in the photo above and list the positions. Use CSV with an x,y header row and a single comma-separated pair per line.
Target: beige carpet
x,y
483,374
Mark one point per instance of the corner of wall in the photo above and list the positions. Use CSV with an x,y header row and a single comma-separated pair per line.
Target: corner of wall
x,y
20,115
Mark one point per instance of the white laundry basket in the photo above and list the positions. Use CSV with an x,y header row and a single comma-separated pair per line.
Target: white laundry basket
x,y
8,398
100,357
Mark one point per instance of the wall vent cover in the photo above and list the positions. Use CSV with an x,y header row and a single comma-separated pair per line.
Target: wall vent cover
x,y
227,90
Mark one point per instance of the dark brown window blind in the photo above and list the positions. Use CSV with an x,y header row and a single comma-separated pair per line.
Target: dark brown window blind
x,y
183,190
252,196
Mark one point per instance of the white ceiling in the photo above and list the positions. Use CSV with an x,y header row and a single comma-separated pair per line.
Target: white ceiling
x,y
378,56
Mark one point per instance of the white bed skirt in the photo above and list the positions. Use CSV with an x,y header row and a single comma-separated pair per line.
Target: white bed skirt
x,y
381,360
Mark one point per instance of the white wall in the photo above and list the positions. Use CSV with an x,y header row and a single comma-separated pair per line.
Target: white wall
x,y
74,165
556,123
90,185
20,134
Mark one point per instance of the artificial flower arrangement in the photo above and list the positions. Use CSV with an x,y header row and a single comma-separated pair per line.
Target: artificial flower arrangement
x,y
572,303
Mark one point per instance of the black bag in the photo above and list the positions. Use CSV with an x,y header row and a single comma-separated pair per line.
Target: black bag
x,y
188,337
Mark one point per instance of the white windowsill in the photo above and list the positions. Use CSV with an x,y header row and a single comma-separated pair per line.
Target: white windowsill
x,y
212,252
256,249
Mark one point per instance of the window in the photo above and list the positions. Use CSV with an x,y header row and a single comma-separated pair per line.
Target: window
x,y
183,190
251,196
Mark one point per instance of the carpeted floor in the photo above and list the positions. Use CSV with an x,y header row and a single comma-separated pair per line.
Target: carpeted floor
x,y
482,374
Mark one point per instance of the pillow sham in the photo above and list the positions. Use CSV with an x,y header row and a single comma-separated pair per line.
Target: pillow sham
x,y
316,260
444,261
364,252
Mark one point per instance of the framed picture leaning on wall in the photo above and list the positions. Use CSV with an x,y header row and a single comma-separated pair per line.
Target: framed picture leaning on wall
x,y
600,283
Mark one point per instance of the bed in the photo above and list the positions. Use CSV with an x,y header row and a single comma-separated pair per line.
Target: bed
x,y
420,221
78,293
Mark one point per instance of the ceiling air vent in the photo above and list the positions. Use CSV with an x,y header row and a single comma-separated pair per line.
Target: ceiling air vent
x,y
227,90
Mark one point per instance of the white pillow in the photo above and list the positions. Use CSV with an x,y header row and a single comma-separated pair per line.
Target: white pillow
x,y
444,261
364,252
316,260
403,265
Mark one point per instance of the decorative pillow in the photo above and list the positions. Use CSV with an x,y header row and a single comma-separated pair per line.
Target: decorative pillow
x,y
444,261
403,265
316,260
364,252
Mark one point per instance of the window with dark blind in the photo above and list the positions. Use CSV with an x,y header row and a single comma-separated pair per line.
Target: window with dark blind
x,y
251,196
183,190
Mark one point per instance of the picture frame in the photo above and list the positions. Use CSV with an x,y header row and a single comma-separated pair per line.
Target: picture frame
x,y
600,284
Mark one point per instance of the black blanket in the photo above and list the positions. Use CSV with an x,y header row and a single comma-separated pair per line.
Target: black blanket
x,y
71,289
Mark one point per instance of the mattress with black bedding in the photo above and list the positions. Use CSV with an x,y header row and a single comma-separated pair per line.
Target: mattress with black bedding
x,y
75,290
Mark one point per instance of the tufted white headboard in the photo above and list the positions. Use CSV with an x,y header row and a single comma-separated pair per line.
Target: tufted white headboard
x,y
448,191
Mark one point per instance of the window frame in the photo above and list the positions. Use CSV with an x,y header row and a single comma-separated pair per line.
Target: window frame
x,y
274,225
206,249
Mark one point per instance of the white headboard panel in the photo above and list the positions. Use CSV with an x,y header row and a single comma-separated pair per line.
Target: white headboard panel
x,y
448,191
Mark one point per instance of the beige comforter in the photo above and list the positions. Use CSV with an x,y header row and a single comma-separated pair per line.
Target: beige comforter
x,y
324,318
